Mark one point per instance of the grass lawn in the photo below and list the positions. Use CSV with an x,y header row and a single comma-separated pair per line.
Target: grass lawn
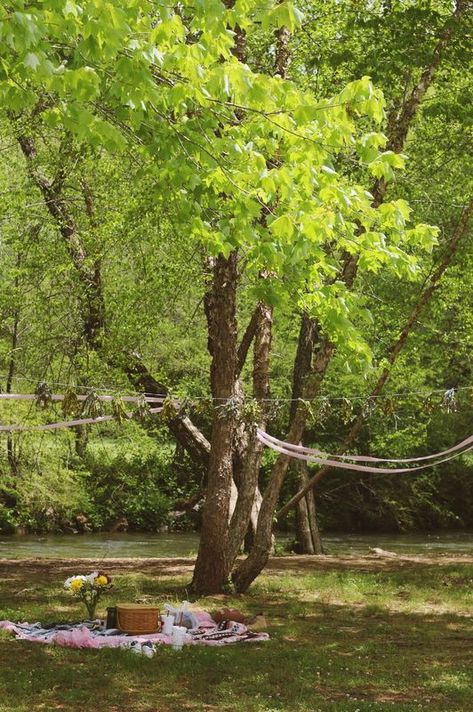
x,y
347,635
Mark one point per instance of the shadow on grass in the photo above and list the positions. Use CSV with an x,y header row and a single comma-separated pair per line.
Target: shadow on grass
x,y
332,658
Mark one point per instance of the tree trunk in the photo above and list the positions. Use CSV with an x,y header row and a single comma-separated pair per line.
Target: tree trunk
x,y
304,543
309,527
211,569
308,335
9,498
257,559
245,506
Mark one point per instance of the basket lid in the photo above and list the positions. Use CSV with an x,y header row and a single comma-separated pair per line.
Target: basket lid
x,y
137,607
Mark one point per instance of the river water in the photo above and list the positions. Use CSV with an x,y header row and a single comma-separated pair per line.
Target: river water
x,y
105,545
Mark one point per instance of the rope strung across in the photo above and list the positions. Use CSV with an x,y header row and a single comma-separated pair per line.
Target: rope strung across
x,y
67,423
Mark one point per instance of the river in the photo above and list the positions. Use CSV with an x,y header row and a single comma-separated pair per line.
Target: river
x,y
105,545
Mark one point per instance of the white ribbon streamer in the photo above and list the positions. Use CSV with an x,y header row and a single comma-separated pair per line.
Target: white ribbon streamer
x,y
262,436
468,442
60,397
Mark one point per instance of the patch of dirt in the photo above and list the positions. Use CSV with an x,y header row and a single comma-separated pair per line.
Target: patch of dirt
x,y
369,562
50,568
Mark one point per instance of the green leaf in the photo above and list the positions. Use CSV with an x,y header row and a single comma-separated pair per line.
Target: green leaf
x,y
32,61
282,227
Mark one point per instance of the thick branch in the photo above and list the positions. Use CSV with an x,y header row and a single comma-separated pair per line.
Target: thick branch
x,y
248,336
182,428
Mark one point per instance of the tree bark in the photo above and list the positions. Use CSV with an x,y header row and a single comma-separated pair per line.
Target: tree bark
x,y
304,543
245,505
211,569
248,337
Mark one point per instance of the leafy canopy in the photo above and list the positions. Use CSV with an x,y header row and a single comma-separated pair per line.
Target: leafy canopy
x,y
252,162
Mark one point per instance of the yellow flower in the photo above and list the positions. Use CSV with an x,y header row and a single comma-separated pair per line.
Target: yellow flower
x,y
101,580
76,584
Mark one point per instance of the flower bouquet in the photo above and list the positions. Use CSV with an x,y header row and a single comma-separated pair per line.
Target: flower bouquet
x,y
89,589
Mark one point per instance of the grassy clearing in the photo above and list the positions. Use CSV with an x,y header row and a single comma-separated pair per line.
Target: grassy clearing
x,y
345,637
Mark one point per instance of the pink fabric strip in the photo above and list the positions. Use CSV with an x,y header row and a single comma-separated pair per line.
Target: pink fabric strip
x,y
366,458
350,466
65,423
60,397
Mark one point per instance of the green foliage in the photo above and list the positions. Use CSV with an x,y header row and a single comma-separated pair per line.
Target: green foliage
x,y
131,482
8,520
51,489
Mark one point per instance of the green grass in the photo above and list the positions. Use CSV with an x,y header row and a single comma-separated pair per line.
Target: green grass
x,y
342,640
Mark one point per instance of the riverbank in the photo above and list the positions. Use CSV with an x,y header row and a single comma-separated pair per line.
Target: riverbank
x,y
105,546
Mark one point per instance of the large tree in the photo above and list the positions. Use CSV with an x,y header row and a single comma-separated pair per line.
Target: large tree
x,y
271,182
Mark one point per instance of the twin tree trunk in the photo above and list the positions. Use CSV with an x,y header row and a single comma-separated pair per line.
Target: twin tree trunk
x,y
223,531
307,531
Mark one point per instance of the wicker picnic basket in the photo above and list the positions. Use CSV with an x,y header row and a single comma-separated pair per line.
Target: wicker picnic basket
x,y
137,619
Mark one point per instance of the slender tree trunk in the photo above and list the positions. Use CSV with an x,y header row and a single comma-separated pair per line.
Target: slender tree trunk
x,y
308,336
10,499
400,120
211,569
92,298
304,543
309,505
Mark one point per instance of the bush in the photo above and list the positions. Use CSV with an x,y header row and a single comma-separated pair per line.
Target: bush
x,y
134,482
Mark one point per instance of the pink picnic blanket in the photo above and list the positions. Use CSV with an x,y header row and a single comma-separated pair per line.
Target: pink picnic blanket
x,y
83,636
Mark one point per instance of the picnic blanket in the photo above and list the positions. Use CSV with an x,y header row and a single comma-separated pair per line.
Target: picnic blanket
x,y
87,634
